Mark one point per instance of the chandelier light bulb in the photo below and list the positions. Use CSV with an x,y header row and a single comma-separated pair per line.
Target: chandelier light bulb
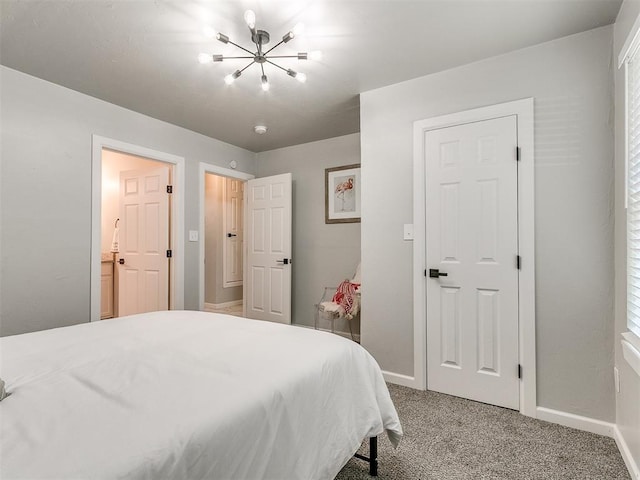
x,y
298,29
265,83
229,79
315,55
250,18
301,77
208,31
205,58
288,36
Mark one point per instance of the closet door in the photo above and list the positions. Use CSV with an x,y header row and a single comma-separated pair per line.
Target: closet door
x,y
471,251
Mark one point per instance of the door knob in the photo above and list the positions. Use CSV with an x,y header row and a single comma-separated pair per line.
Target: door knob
x,y
121,261
435,273
284,261
229,235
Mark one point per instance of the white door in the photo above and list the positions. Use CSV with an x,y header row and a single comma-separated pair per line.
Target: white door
x,y
143,278
472,238
232,220
268,238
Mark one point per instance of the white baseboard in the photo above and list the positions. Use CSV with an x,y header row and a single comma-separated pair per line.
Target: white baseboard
x,y
399,379
594,426
576,421
629,461
212,307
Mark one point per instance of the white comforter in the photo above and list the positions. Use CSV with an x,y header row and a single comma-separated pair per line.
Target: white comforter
x,y
187,395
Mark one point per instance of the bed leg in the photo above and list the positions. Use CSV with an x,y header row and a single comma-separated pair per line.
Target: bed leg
x,y
373,456
372,459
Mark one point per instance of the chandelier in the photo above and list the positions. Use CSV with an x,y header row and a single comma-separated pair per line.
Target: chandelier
x,y
259,38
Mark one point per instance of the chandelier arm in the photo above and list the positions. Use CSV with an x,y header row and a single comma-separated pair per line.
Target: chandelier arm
x,y
242,48
262,68
272,48
235,58
276,65
281,56
251,63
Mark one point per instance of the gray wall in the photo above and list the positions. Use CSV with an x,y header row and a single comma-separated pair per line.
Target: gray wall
x,y
628,400
214,290
571,81
323,255
45,222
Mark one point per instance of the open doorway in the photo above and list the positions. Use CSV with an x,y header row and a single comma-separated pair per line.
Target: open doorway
x,y
136,240
223,244
168,245
231,298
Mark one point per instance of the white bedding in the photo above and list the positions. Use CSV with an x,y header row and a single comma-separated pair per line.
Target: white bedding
x,y
187,395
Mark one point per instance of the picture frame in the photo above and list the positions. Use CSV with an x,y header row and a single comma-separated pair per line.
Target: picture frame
x,y
342,187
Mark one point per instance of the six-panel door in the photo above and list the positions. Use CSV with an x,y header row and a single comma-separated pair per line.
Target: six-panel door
x,y
472,237
143,279
268,289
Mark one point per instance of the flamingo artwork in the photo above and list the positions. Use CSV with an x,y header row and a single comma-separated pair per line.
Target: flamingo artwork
x,y
342,189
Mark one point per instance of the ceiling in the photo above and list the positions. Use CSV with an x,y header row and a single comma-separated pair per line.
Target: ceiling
x,y
142,55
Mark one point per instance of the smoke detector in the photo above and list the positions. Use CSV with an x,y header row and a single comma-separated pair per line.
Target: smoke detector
x,y
260,129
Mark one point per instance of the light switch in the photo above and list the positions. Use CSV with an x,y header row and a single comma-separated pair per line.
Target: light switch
x,y
408,231
193,235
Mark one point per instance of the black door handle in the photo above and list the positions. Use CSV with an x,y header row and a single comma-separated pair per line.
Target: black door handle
x,y
229,235
121,261
435,273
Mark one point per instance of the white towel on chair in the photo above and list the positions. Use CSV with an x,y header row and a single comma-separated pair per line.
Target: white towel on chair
x,y
115,243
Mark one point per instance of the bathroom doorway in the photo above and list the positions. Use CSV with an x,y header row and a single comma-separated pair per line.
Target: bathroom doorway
x,y
176,164
136,240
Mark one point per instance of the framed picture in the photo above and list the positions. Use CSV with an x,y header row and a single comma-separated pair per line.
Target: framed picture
x,y
342,194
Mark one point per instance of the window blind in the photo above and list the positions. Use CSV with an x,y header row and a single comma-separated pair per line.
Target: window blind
x,y
633,193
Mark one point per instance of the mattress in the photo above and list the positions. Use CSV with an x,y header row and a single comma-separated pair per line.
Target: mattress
x,y
187,395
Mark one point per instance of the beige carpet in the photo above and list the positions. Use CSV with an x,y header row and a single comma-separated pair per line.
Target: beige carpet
x,y
452,438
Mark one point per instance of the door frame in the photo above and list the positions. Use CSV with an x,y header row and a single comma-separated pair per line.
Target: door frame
x,y
523,110
176,293
205,168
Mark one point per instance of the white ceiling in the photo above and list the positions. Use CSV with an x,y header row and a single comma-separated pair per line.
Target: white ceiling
x,y
142,55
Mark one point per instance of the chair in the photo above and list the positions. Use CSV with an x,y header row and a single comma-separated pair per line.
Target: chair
x,y
341,302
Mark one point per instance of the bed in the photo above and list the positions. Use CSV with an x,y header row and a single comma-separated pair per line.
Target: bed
x,y
187,395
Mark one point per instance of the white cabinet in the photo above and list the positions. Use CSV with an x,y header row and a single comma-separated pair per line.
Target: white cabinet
x,y
106,290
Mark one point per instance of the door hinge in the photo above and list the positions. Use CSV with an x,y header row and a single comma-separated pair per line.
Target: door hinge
x,y
520,371
169,253
517,154
425,272
169,188
518,262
